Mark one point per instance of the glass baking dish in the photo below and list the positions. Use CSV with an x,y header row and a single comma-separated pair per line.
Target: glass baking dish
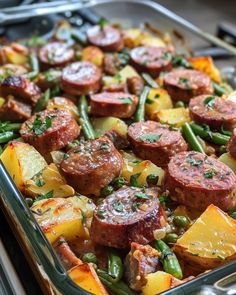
x,y
41,256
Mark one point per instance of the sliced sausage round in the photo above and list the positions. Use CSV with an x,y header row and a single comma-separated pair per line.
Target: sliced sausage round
x,y
111,64
196,181
155,142
151,59
50,130
127,215
184,84
135,85
20,88
116,104
231,146
107,38
55,54
81,78
14,110
92,165
214,111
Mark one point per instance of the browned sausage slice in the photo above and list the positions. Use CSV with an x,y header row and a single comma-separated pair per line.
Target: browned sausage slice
x,y
14,110
129,214
116,104
155,142
135,85
107,38
196,181
50,130
152,60
55,54
184,84
20,88
81,78
232,145
214,111
92,165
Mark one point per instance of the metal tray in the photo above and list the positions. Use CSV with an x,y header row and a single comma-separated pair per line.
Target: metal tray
x,y
44,262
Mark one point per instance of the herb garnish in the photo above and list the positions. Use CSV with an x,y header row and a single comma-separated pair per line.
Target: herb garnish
x,y
38,126
118,77
152,179
102,22
209,101
167,56
162,198
101,213
184,82
105,147
66,156
126,100
144,196
210,173
149,101
38,180
194,162
48,195
136,161
118,206
136,205
134,179
151,138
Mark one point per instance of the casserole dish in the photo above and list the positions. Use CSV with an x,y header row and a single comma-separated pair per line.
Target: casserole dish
x,y
45,263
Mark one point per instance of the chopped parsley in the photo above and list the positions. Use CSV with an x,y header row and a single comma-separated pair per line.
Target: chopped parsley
x,y
136,206
136,161
48,195
162,198
38,180
66,156
152,179
209,101
134,179
126,100
102,22
210,173
157,96
167,56
118,206
105,147
184,82
49,76
151,138
38,126
194,162
101,213
142,195
149,101
118,77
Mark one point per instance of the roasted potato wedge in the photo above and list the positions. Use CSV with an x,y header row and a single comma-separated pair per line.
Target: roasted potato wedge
x,y
85,277
227,159
158,99
65,104
133,165
176,117
22,162
93,54
201,247
105,124
49,179
69,217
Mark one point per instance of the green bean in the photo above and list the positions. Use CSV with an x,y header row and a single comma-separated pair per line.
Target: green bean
x,y
206,133
171,238
218,90
180,104
168,259
115,266
180,61
43,101
140,112
72,144
1,149
89,258
117,288
84,119
149,81
7,136
181,221
5,126
191,138
34,63
106,191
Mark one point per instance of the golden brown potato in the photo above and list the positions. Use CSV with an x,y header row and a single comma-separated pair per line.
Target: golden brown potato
x,y
209,242
22,162
93,54
176,117
69,217
86,277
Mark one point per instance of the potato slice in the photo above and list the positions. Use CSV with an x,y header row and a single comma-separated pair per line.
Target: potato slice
x,y
85,277
65,104
14,57
69,217
157,282
210,241
176,117
133,165
49,179
158,99
22,162
228,160
105,124
93,54
205,64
